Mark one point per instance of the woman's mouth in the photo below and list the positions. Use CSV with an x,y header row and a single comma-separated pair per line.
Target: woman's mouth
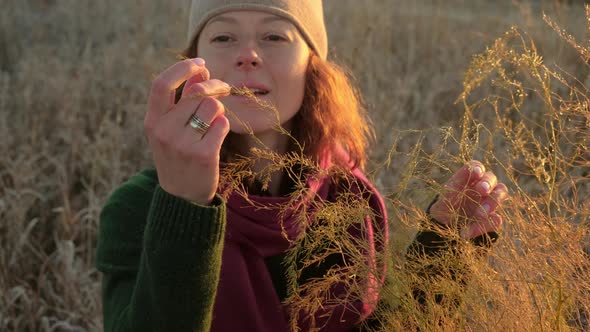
x,y
246,89
258,92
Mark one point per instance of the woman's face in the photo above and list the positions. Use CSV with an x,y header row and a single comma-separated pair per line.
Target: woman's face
x,y
262,52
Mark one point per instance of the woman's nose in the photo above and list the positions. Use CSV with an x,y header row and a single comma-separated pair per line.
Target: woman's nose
x,y
248,58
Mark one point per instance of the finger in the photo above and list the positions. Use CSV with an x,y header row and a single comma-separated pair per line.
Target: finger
x,y
207,147
163,88
454,206
207,88
491,224
457,193
209,109
192,103
216,133
490,203
470,173
201,77
486,184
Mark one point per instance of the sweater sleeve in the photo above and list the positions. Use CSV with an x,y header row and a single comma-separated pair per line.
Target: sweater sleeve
x,y
160,257
431,241
428,253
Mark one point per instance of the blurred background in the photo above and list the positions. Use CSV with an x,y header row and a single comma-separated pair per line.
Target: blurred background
x,y
74,79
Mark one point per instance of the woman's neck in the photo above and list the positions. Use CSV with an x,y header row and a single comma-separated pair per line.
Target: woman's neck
x,y
271,140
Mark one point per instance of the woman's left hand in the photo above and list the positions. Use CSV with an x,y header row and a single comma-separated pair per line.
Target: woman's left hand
x,y
470,200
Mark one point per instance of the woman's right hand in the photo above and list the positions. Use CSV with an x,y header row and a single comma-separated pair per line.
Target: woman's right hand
x,y
187,164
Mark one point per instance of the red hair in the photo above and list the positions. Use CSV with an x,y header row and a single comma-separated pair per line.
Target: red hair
x,y
332,114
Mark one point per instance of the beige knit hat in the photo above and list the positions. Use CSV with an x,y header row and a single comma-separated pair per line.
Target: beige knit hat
x,y
306,15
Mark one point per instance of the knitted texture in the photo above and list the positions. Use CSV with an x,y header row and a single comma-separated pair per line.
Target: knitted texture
x,y
306,15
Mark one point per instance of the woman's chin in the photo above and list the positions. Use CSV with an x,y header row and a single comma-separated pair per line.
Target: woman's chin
x,y
242,128
260,129
241,123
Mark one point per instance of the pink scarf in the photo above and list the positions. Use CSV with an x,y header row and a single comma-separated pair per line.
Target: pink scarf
x,y
246,298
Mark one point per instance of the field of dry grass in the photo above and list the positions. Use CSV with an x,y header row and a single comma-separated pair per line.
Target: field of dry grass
x,y
74,77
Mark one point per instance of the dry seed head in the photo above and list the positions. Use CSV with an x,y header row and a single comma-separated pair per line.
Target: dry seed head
x,y
235,91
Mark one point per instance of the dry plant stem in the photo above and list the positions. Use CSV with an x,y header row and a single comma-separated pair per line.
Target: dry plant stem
x,y
241,92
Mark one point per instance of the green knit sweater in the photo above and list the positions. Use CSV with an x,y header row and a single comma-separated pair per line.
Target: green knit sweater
x,y
148,247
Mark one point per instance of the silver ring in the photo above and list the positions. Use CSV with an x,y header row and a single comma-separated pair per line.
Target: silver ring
x,y
200,125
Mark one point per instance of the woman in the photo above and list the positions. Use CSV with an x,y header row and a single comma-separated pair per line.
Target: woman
x,y
176,255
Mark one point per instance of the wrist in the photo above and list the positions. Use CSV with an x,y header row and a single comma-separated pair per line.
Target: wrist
x,y
432,218
199,201
202,203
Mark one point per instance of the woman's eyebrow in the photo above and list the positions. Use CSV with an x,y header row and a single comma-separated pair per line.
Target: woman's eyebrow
x,y
223,19
233,21
270,19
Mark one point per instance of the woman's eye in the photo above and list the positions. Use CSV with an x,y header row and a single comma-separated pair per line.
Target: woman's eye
x,y
221,39
275,38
